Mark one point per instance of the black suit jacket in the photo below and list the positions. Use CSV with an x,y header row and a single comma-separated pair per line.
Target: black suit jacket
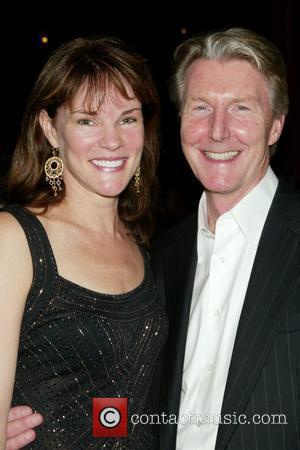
x,y
264,374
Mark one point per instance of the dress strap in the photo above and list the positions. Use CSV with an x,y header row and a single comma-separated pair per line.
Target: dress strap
x,y
43,263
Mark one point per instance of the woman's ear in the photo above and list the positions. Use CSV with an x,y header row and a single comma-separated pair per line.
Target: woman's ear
x,y
48,128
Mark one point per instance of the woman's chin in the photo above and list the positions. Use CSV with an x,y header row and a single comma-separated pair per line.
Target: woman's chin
x,y
111,191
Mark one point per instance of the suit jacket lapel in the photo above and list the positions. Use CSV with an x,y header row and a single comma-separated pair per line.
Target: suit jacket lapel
x,y
179,272
270,287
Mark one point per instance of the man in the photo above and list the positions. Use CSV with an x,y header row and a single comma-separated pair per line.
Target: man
x,y
229,275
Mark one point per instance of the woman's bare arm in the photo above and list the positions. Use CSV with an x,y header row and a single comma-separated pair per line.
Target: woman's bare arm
x,y
15,281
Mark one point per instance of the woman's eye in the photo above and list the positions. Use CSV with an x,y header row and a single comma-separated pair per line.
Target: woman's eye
x,y
85,122
128,120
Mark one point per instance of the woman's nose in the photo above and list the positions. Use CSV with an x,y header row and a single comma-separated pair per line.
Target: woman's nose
x,y
110,138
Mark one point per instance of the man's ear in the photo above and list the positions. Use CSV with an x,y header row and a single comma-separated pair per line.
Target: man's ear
x,y
48,128
276,129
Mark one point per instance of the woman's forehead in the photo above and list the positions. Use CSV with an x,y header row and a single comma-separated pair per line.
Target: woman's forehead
x,y
92,97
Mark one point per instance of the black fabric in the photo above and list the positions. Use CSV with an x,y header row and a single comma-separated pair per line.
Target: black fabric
x,y
77,344
264,372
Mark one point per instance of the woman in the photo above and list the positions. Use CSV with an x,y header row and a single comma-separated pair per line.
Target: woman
x,y
77,296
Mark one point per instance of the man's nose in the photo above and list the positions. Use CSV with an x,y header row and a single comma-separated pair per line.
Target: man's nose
x,y
219,126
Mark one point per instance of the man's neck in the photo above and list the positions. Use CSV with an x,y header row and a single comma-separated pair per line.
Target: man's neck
x,y
218,204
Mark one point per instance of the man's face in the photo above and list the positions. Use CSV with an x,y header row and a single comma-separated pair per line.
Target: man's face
x,y
227,125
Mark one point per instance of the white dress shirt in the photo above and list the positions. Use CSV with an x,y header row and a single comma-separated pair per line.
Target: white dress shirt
x,y
224,266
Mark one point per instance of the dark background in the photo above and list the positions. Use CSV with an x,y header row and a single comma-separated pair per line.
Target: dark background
x,y
155,35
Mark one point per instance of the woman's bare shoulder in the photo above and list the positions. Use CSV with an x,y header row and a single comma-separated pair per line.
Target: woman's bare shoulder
x,y
9,226
13,242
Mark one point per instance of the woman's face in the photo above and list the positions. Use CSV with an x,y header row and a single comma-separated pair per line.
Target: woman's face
x,y
101,147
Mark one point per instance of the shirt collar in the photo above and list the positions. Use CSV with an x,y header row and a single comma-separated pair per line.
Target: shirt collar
x,y
250,212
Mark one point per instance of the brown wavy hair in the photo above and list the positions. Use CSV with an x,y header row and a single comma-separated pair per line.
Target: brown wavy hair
x,y
97,63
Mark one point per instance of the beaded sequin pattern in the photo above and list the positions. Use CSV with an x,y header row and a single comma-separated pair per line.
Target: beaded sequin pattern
x,y
76,344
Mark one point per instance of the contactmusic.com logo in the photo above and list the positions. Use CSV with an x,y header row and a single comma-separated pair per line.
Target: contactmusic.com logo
x,y
110,417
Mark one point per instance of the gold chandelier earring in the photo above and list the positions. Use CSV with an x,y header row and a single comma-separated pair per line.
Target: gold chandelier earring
x,y
137,181
54,171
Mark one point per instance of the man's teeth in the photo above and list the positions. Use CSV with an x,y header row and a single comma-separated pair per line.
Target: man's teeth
x,y
221,156
108,163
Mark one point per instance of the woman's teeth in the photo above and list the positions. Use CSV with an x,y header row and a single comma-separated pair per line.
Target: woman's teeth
x,y
107,163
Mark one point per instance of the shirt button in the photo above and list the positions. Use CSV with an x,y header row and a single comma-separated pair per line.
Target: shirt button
x,y
210,367
217,313
222,259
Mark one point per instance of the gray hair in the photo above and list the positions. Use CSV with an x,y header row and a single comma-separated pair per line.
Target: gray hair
x,y
234,43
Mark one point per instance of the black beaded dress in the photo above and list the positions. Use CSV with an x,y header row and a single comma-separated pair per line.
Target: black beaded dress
x,y
76,344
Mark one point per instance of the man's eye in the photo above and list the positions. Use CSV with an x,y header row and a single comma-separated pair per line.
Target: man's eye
x,y
200,107
242,108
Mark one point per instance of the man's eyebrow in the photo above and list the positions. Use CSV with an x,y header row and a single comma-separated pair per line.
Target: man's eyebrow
x,y
233,99
245,98
196,99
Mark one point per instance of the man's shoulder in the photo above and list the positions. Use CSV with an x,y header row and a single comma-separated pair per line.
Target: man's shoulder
x,y
185,228
286,205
